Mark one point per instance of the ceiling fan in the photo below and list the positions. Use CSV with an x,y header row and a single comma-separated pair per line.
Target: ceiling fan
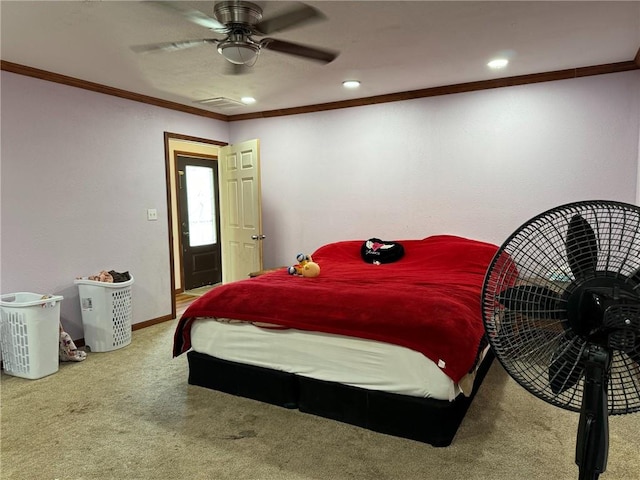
x,y
240,21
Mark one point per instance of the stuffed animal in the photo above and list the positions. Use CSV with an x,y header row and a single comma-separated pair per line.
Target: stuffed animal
x,y
310,270
302,261
305,267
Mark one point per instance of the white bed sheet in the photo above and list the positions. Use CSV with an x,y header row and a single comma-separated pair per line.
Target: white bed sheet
x,y
352,361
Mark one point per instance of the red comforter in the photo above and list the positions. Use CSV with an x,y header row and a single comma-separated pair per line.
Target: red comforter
x,y
428,301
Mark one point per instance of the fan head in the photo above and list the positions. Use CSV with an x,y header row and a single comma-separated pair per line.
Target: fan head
x,y
566,281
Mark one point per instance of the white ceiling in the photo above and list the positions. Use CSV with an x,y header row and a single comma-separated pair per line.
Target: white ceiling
x,y
390,46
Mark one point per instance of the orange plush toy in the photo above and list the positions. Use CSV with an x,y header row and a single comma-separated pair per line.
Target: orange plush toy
x,y
305,267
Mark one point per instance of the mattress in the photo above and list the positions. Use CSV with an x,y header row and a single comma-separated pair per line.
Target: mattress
x,y
428,301
361,363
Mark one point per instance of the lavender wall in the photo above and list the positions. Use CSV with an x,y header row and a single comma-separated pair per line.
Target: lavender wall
x,y
79,171
475,164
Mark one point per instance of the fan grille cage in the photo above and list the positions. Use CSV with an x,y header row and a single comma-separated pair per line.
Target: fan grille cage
x,y
525,341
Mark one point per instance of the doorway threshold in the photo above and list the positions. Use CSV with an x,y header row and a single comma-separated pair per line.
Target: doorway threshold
x,y
198,292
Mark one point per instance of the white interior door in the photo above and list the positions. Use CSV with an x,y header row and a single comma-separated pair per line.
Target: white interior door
x,y
241,213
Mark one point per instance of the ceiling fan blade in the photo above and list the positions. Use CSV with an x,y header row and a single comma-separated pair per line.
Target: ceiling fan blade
x,y
566,368
193,15
171,46
533,300
310,53
581,246
293,17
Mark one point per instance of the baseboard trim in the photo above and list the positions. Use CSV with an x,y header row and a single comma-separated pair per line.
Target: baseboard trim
x,y
153,321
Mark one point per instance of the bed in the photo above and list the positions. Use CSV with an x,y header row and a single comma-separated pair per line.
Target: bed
x,y
397,348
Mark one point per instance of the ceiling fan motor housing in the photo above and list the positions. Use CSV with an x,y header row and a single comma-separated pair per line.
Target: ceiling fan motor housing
x,y
240,13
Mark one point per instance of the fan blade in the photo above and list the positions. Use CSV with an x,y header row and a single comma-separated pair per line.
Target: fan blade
x,y
581,246
532,300
296,16
171,46
310,53
566,368
193,15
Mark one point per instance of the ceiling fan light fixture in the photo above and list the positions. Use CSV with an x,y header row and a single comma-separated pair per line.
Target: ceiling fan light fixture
x,y
239,53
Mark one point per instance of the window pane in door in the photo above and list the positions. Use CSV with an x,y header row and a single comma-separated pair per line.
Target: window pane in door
x,y
200,205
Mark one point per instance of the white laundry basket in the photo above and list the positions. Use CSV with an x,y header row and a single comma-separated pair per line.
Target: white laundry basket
x,y
106,314
30,334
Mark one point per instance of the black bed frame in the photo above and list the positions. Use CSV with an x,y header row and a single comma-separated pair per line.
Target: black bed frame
x,y
423,419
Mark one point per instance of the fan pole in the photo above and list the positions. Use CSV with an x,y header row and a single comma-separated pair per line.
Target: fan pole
x,y
593,430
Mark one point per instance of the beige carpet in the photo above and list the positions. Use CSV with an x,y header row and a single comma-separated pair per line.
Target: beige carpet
x,y
129,414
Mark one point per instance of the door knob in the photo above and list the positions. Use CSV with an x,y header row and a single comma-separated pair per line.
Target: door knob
x,y
258,237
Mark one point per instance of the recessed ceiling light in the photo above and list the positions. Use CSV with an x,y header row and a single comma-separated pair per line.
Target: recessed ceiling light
x,y
498,63
248,100
351,84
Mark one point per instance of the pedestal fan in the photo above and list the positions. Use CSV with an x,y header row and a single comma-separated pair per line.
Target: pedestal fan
x,y
561,309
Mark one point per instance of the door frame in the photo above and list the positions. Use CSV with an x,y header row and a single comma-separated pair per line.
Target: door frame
x,y
172,216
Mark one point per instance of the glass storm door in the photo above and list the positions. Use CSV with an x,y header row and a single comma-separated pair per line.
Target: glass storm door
x,y
199,221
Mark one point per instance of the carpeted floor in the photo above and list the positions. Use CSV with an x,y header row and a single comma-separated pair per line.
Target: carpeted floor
x,y
130,414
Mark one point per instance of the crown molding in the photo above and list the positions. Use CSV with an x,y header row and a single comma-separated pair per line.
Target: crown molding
x,y
392,97
97,87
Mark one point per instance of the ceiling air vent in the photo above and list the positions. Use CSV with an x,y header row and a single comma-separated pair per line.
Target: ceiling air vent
x,y
220,102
